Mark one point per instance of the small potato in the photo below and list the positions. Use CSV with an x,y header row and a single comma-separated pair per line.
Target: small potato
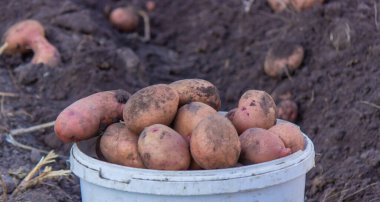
x,y
188,117
119,145
278,5
301,5
197,90
124,18
260,145
215,143
162,148
283,59
156,104
231,114
256,109
86,117
287,110
290,134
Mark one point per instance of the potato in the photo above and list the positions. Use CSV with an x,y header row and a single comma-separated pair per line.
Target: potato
x,y
287,110
290,134
256,109
86,117
119,145
30,35
215,143
283,59
259,145
162,148
156,104
278,5
124,18
197,90
188,117
300,5
230,114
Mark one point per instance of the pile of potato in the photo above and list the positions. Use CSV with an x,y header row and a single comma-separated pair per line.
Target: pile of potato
x,y
177,126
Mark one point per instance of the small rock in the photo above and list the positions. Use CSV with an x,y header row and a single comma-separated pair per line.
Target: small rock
x,y
129,59
35,156
10,183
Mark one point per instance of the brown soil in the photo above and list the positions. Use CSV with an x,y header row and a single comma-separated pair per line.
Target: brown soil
x,y
336,88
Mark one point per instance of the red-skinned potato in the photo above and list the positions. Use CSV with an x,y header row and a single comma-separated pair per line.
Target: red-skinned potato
x,y
215,143
84,118
256,109
188,117
301,5
162,148
197,90
259,145
156,104
119,145
290,134
124,18
30,35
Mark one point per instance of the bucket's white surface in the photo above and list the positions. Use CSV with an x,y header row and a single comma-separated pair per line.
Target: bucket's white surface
x,y
275,181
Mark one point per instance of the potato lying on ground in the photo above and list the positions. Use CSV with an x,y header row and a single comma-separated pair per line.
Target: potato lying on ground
x,y
259,145
256,109
300,5
84,118
283,59
119,145
30,35
287,110
124,18
278,5
290,134
188,117
197,90
162,148
156,104
215,143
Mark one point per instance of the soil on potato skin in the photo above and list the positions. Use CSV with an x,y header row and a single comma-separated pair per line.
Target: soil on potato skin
x,y
336,88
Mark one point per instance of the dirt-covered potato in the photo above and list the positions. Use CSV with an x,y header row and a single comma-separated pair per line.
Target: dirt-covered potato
x,y
162,148
278,5
215,143
256,109
283,59
197,90
119,145
290,134
287,110
301,5
86,117
156,104
259,145
188,117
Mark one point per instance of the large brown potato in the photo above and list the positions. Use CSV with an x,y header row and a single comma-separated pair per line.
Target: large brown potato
x,y
84,118
256,109
197,90
188,117
259,145
119,145
162,148
215,143
156,104
290,134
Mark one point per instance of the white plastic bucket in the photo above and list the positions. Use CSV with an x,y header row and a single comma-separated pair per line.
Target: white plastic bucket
x,y
279,180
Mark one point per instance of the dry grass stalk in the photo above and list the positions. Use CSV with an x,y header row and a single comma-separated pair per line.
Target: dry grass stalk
x,y
48,173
